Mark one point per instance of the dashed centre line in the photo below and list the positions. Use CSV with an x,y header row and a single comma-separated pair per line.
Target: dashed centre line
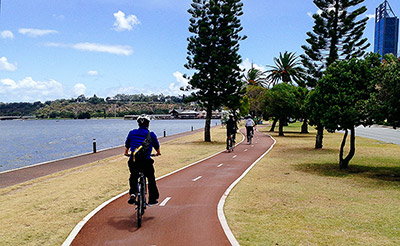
x,y
233,157
194,180
245,150
220,165
165,201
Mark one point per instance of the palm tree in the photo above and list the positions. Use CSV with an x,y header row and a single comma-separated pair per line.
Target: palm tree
x,y
287,69
255,76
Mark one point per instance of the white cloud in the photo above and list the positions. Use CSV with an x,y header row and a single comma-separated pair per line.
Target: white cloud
x,y
123,23
28,89
30,32
112,49
93,73
5,65
310,14
79,89
59,17
247,64
175,88
371,16
6,34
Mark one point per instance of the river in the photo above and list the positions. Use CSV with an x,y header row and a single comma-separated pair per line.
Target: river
x,y
27,142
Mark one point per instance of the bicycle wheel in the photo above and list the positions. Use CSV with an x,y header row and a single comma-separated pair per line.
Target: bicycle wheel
x,y
228,144
139,206
143,194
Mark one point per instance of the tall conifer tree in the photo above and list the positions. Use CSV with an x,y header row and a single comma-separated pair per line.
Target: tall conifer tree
x,y
213,52
337,34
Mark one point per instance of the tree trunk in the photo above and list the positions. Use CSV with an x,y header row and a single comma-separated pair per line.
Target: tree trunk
x,y
207,134
273,124
319,137
344,163
281,123
304,127
342,148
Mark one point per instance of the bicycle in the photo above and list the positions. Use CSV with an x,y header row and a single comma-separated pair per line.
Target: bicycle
x,y
140,195
230,143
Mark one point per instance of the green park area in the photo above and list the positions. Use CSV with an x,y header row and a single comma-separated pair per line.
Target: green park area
x,y
296,195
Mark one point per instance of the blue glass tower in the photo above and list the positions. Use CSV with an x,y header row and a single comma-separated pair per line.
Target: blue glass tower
x,y
386,30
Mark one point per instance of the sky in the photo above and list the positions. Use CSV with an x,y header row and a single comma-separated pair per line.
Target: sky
x,y
54,49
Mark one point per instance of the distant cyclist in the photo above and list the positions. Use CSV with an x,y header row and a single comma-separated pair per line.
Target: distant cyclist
x,y
143,162
249,127
231,127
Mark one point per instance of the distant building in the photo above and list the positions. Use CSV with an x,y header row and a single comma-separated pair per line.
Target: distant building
x,y
386,30
184,114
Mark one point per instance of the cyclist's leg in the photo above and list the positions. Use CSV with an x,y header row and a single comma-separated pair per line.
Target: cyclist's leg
x,y
228,135
133,179
149,173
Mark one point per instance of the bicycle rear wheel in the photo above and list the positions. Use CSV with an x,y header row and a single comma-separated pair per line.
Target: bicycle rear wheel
x,y
139,210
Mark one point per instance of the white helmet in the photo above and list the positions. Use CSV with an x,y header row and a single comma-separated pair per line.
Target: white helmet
x,y
143,119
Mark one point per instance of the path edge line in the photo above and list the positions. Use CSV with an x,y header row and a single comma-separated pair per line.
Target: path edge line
x,y
221,203
81,223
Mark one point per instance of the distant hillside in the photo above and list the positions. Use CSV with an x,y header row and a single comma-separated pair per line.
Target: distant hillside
x,y
83,107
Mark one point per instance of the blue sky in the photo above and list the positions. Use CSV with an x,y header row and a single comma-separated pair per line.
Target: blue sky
x,y
52,49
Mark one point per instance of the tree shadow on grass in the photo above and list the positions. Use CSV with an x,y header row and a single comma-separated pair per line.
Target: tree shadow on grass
x,y
391,174
291,134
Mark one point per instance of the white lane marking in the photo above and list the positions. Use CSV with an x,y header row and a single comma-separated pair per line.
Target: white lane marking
x,y
245,150
165,201
233,157
220,165
194,180
252,146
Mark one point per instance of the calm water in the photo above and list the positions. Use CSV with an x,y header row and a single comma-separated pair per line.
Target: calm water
x,y
24,143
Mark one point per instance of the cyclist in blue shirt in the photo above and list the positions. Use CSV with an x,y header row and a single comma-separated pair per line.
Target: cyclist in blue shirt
x,y
143,163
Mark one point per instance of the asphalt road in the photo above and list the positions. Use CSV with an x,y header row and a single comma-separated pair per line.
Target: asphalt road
x,y
380,133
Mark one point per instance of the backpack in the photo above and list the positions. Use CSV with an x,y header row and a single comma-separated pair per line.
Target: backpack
x,y
142,150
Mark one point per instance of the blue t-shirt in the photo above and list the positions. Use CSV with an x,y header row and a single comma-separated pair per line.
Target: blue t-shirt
x,y
137,136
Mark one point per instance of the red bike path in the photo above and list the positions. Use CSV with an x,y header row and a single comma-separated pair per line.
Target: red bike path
x,y
190,209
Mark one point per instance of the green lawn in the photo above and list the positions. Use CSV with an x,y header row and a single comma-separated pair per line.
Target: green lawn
x,y
297,195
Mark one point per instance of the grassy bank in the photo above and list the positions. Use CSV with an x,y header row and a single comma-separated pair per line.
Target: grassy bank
x,y
45,210
297,195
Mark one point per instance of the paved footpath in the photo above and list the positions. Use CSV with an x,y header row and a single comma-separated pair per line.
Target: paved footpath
x,y
13,177
190,209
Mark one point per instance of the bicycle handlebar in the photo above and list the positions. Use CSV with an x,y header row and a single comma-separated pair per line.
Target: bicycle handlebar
x,y
152,155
